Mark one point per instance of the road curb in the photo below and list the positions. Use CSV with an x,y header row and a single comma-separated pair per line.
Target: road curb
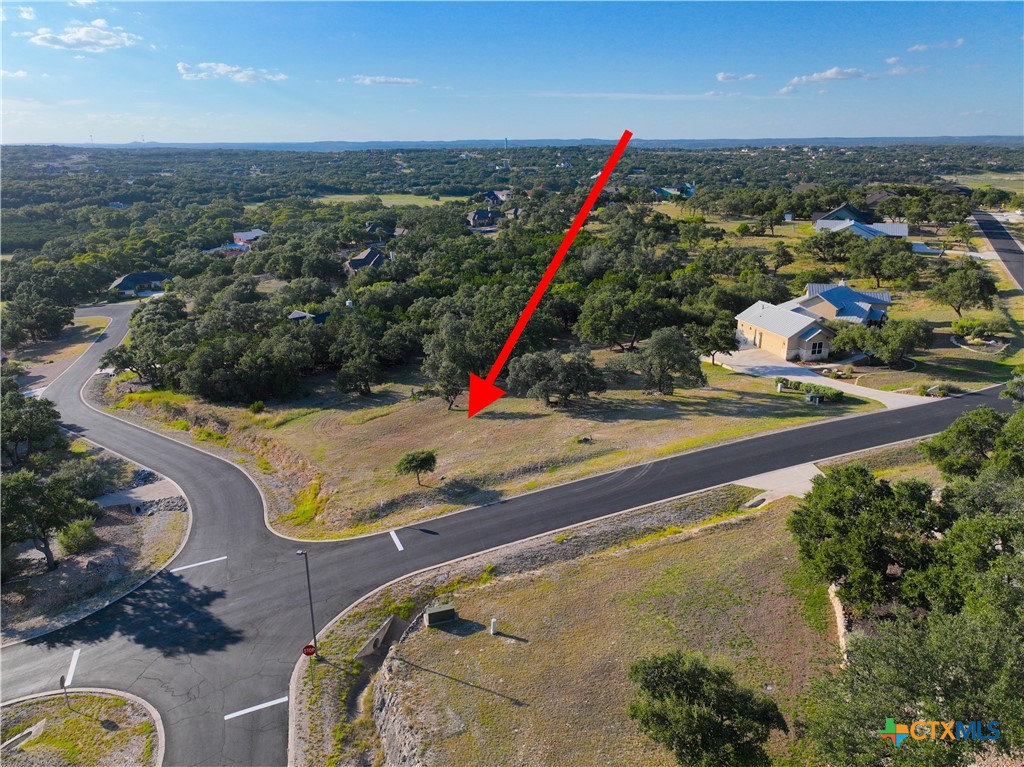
x,y
302,664
160,739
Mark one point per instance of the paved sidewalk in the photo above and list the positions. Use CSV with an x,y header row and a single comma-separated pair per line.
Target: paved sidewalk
x,y
793,480
757,362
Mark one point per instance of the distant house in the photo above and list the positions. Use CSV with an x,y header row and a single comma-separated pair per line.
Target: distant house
x,y
377,228
498,196
116,205
845,212
247,238
786,333
840,302
140,282
957,189
479,218
512,214
867,231
369,257
318,319
873,198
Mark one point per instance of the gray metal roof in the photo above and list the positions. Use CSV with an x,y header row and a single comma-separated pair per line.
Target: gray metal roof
x,y
775,319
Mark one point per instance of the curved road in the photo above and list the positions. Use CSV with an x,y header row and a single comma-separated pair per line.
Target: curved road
x,y
222,637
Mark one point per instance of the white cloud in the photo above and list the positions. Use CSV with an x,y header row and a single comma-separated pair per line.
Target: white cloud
x,y
81,3
902,70
94,37
26,12
212,71
729,77
628,96
922,47
385,80
18,73
3,14
892,59
829,75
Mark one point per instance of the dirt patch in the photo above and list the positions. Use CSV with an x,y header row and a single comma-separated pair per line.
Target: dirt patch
x,y
46,360
91,730
132,547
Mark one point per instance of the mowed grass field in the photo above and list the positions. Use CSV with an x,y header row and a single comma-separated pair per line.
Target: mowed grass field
x,y
515,446
552,689
345,447
1011,182
71,342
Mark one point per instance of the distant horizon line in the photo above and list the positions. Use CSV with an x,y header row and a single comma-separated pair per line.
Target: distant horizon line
x,y
1009,139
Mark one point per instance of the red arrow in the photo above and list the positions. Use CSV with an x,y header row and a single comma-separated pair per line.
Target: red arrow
x,y
482,392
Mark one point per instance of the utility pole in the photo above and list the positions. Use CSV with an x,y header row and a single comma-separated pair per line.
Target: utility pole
x,y
309,588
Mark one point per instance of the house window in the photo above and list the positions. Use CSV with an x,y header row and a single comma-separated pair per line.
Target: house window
x,y
816,347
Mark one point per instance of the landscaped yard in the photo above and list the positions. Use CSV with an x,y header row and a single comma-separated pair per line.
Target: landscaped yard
x,y
87,730
551,689
337,452
1011,182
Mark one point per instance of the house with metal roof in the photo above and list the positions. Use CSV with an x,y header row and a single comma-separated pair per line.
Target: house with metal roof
x,y
867,231
140,282
845,212
787,333
841,302
369,257
247,238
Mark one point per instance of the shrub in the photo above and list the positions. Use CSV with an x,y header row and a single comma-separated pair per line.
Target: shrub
x,y
88,477
78,537
848,369
257,407
969,327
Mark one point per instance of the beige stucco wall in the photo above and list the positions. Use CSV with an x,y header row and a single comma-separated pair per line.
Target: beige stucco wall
x,y
781,347
820,306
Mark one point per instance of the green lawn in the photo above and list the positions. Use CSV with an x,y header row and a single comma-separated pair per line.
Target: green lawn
x,y
1011,182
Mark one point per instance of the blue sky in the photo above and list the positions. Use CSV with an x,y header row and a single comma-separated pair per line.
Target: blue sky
x,y
296,71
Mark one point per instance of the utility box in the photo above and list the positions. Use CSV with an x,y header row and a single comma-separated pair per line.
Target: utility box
x,y
813,398
438,614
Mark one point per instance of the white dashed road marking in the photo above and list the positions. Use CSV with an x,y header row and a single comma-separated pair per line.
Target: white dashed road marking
x,y
208,561
398,543
71,669
249,710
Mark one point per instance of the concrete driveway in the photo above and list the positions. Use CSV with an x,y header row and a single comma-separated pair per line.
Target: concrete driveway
x,y
758,362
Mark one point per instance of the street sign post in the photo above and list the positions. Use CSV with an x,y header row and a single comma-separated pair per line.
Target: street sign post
x,y
64,687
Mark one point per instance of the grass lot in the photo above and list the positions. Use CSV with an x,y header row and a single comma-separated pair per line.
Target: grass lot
x,y
1011,182
945,361
391,200
347,447
552,689
71,342
100,730
904,461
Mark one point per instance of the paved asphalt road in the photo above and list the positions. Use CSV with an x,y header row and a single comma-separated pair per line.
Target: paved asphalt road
x,y
222,637
1003,244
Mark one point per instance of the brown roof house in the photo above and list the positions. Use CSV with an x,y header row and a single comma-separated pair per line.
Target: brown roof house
x,y
368,257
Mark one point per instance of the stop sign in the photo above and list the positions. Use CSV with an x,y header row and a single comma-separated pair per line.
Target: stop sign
x,y
309,650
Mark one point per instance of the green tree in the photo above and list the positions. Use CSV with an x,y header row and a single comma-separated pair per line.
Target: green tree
x,y
1014,390
39,317
919,669
962,233
780,256
830,247
966,286
28,425
34,509
717,337
890,343
879,258
850,529
417,462
666,356
962,449
450,355
699,712
544,375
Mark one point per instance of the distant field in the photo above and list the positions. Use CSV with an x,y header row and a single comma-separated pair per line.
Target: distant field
x,y
553,691
391,200
1011,182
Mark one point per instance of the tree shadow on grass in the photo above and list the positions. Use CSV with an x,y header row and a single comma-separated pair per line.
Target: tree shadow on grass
x,y
488,415
514,701
166,614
